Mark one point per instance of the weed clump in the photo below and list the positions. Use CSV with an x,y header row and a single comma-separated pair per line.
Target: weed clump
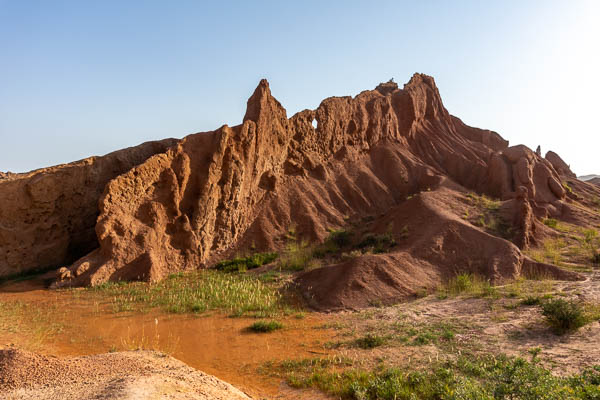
x,y
563,316
297,257
340,237
369,341
241,264
531,301
378,243
265,326
487,378
551,222
466,283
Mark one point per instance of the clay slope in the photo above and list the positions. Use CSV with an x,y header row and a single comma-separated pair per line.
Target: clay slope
x,y
216,193
595,181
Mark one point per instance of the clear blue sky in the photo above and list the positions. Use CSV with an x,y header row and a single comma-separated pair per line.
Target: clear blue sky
x,y
80,78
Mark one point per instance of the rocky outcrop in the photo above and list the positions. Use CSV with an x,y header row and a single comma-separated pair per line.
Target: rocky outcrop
x,y
6,175
191,201
48,216
561,167
594,181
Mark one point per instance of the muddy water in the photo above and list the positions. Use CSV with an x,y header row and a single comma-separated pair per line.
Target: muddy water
x,y
213,343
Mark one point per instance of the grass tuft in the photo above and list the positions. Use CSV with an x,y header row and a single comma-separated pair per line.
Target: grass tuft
x,y
469,284
378,243
369,341
265,326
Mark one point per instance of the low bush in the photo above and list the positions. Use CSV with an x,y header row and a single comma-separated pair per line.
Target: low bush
x,y
378,243
340,237
369,341
240,264
563,316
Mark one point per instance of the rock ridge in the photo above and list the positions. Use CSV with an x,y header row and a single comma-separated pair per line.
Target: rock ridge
x,y
185,203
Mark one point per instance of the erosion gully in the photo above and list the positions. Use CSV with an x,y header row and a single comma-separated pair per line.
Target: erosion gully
x,y
212,342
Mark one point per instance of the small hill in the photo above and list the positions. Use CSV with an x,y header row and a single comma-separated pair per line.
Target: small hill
x,y
392,161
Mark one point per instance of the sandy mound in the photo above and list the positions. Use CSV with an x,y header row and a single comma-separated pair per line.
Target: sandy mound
x,y
127,375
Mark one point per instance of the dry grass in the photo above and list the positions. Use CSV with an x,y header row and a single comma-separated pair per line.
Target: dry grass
x,y
22,319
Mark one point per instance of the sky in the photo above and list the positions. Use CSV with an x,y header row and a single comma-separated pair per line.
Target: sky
x,y
82,78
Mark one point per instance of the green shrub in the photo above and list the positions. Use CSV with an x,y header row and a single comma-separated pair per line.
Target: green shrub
x,y
551,222
265,326
340,237
245,263
369,341
563,316
379,243
336,240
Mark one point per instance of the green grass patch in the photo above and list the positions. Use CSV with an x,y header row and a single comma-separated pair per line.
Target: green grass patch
x,y
467,284
551,251
486,378
484,202
298,256
241,264
196,292
265,326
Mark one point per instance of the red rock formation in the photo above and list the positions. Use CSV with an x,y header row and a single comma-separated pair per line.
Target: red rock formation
x,y
47,216
213,193
561,167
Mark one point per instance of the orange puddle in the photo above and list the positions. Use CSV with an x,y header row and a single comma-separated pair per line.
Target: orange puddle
x,y
215,344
